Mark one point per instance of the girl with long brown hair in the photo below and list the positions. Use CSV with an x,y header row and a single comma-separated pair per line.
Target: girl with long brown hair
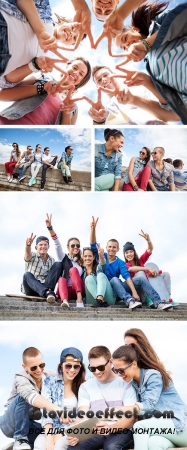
x,y
138,174
155,394
15,157
70,285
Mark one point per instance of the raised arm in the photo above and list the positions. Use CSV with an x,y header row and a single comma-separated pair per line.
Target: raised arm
x,y
147,238
58,248
93,230
28,252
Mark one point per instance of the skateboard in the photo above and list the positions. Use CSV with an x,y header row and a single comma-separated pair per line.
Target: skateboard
x,y
158,283
28,297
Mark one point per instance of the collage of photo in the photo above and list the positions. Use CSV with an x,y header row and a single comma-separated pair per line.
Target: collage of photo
x,y
93,303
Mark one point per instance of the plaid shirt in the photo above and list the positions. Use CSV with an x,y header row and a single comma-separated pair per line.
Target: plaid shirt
x,y
38,267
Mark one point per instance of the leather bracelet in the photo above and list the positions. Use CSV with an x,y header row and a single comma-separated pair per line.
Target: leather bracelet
x,y
32,67
146,45
35,63
40,87
99,123
135,187
50,228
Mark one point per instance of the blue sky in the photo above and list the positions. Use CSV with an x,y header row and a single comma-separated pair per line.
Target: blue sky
x,y
54,138
51,337
172,140
97,57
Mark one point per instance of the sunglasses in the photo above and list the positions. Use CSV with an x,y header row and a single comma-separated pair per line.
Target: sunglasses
x,y
142,153
121,371
75,245
33,368
100,368
154,153
74,366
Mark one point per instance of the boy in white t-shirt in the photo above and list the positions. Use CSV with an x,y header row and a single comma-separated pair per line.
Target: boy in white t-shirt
x,y
104,390
48,161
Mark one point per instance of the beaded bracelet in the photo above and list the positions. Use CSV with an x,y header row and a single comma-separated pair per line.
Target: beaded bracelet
x,y
146,45
135,187
40,87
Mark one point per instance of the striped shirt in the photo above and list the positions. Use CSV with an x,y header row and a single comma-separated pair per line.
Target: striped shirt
x,y
168,65
38,267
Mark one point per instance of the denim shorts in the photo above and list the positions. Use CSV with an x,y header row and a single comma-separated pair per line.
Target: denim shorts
x,y
4,50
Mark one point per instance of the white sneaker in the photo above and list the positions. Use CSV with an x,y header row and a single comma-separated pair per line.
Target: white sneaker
x,y
65,304
134,304
22,178
21,444
8,446
165,305
10,180
80,305
51,297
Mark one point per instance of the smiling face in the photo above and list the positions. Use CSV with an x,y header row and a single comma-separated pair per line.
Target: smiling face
x,y
88,257
102,8
76,71
143,154
129,255
112,248
106,374
70,368
126,38
32,362
116,142
67,33
157,154
128,372
42,248
74,247
102,78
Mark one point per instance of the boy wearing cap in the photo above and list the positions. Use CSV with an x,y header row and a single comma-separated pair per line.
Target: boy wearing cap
x,y
113,267
41,270
100,393
26,393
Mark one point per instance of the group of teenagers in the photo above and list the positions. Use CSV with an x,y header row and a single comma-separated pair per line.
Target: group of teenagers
x,y
143,173
92,277
36,160
155,34
132,380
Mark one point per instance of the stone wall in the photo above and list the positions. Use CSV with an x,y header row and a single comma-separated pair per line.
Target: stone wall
x,y
54,181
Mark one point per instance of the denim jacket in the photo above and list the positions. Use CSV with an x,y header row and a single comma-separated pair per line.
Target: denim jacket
x,y
152,396
173,26
53,390
42,6
67,158
138,167
105,165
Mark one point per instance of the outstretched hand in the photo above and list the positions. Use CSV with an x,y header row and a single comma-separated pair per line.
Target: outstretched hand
x,y
49,43
68,104
144,235
48,220
47,64
97,111
94,222
83,16
30,240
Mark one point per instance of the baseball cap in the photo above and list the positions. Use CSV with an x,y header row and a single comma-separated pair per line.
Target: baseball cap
x,y
42,238
71,351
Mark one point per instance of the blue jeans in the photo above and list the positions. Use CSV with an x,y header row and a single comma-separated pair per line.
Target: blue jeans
x,y
162,188
34,287
22,170
120,290
4,51
110,442
16,422
44,169
144,284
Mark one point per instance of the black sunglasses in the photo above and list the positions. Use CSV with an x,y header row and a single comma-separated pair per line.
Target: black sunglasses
x,y
154,153
75,245
69,366
33,368
121,371
142,153
100,368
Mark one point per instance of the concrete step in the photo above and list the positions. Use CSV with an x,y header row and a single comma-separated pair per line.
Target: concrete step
x,y
16,308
